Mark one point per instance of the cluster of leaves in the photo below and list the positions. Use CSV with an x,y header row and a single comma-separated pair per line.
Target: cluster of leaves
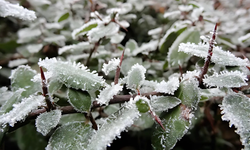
x,y
93,63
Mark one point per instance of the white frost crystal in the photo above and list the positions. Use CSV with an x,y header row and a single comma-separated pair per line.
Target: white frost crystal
x,y
108,93
15,10
136,76
75,47
219,56
168,87
47,121
21,110
111,65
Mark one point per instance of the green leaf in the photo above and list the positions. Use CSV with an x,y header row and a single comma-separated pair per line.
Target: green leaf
x,y
72,136
188,93
136,76
143,122
21,110
47,121
131,45
8,105
206,94
63,17
219,56
84,29
66,118
72,75
169,39
54,85
226,79
175,57
29,139
235,108
164,103
142,106
80,100
176,125
21,78
113,126
128,63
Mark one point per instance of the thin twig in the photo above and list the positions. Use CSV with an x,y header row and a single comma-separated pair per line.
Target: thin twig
x,y
209,55
92,51
45,92
118,69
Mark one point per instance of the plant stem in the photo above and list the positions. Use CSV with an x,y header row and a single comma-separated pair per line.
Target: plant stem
x,y
92,51
117,73
209,56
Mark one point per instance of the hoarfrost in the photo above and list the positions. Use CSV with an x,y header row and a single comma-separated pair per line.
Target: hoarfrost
x,y
21,110
226,79
136,76
76,47
164,103
15,10
111,65
47,121
34,48
85,28
168,87
108,93
219,56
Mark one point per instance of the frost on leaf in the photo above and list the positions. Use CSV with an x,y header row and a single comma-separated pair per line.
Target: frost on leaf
x,y
226,79
235,108
76,47
72,74
176,126
176,57
108,93
71,136
80,100
128,63
168,87
111,65
15,10
21,78
103,30
113,126
164,103
83,30
47,121
21,110
17,62
219,56
136,76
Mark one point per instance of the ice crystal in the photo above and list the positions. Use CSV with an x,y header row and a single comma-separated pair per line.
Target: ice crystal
x,y
21,110
219,56
111,65
168,87
136,76
15,10
108,93
73,74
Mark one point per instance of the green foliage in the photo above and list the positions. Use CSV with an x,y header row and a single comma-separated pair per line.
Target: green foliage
x,y
110,66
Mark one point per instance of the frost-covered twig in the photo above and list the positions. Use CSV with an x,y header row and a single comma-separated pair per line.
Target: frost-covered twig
x,y
117,73
92,51
209,55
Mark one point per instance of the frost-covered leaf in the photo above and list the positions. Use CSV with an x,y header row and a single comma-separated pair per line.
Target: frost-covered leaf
x,y
145,48
107,94
66,118
63,17
13,98
244,38
58,39
206,94
79,47
113,126
21,110
131,45
188,93
28,34
53,86
34,48
111,65
226,79
84,29
219,56
47,121
176,57
80,100
74,136
176,125
72,75
128,63
21,78
235,108
5,95
117,38
164,103
136,76
103,30
17,62
15,10
168,87
145,121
